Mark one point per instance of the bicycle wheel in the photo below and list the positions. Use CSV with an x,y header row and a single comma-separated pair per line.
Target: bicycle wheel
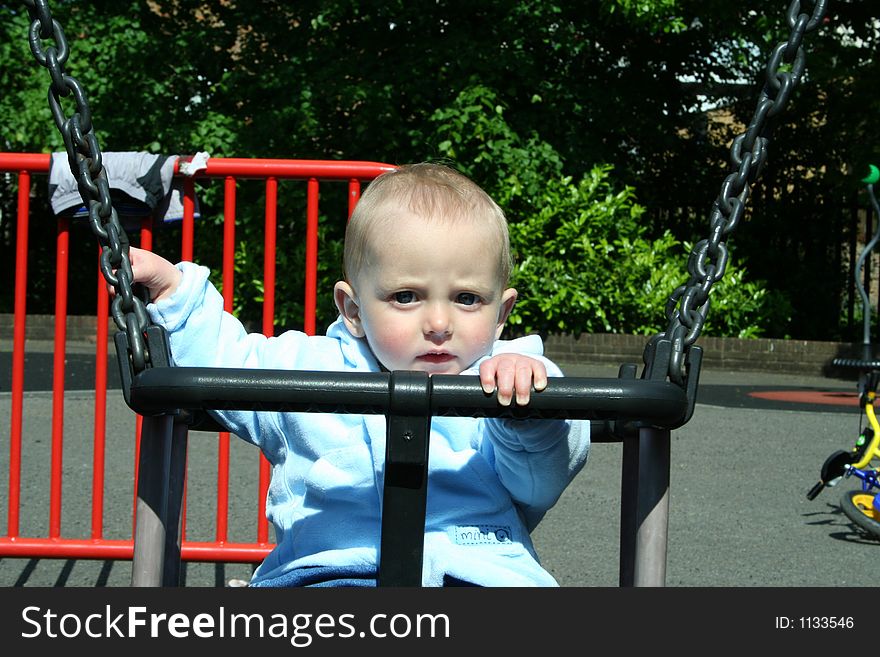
x,y
858,507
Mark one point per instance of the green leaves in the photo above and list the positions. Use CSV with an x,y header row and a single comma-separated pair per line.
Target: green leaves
x,y
591,268
532,99
658,14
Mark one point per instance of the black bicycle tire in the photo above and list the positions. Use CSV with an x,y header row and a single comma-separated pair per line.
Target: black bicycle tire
x,y
856,515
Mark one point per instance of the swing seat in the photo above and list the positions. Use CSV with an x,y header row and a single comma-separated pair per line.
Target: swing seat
x,y
173,398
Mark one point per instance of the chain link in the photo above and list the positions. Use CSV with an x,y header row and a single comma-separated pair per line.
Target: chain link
x,y
85,160
688,306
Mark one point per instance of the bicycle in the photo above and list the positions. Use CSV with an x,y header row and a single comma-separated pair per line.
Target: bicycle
x,y
862,505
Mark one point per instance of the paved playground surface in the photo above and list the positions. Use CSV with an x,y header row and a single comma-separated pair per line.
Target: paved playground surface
x,y
739,516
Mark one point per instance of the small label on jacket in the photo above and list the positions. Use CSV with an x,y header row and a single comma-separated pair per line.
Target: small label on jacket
x,y
482,535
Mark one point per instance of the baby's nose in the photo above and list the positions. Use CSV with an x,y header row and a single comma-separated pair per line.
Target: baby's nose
x,y
438,322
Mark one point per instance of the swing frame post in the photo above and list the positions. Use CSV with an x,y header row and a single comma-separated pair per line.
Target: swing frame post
x,y
161,474
645,507
645,468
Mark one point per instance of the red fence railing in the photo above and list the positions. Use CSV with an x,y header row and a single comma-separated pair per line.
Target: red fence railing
x,y
56,543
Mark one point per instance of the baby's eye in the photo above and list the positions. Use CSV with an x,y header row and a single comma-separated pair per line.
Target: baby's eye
x,y
405,297
467,299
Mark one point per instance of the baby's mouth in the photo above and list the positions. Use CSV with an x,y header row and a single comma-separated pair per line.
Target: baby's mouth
x,y
436,357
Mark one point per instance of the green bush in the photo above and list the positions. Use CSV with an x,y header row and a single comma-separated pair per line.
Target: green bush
x,y
586,265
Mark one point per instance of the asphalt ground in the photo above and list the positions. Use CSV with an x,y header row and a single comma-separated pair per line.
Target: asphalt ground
x,y
739,517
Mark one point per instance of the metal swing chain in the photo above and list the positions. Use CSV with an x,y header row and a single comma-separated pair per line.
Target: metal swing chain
x,y
85,160
748,153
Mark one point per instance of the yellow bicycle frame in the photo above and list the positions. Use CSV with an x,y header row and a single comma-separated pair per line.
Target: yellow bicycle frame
x,y
873,450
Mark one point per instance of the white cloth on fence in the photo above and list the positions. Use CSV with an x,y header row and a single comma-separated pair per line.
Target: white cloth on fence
x,y
146,178
190,166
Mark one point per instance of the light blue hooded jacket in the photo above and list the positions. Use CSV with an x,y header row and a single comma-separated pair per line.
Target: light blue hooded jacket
x,y
490,481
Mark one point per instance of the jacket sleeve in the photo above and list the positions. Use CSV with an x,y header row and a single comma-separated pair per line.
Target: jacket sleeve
x,y
534,459
202,334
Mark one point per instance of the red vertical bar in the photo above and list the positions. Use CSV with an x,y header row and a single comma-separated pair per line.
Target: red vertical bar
x,y
354,195
311,292
18,337
268,328
62,258
147,233
186,253
229,191
100,405
189,213
147,245
269,249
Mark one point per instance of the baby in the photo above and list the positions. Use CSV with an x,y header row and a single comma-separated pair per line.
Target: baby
x,y
427,261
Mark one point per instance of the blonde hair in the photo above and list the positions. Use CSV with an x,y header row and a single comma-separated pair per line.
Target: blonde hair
x,y
430,191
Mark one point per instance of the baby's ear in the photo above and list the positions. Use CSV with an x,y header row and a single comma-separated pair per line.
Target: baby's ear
x,y
346,303
508,299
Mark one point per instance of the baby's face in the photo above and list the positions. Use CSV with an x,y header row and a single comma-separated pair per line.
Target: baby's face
x,y
430,298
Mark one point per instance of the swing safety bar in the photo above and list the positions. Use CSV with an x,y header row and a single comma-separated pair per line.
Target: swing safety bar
x,y
408,400
166,389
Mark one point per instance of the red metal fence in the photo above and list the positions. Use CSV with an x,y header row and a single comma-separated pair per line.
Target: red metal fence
x,y
311,173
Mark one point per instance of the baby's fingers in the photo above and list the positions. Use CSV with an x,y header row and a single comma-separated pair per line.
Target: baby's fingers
x,y
522,383
498,375
487,376
512,375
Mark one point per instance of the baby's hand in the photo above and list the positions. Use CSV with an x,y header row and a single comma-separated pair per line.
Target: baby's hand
x,y
155,272
512,373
